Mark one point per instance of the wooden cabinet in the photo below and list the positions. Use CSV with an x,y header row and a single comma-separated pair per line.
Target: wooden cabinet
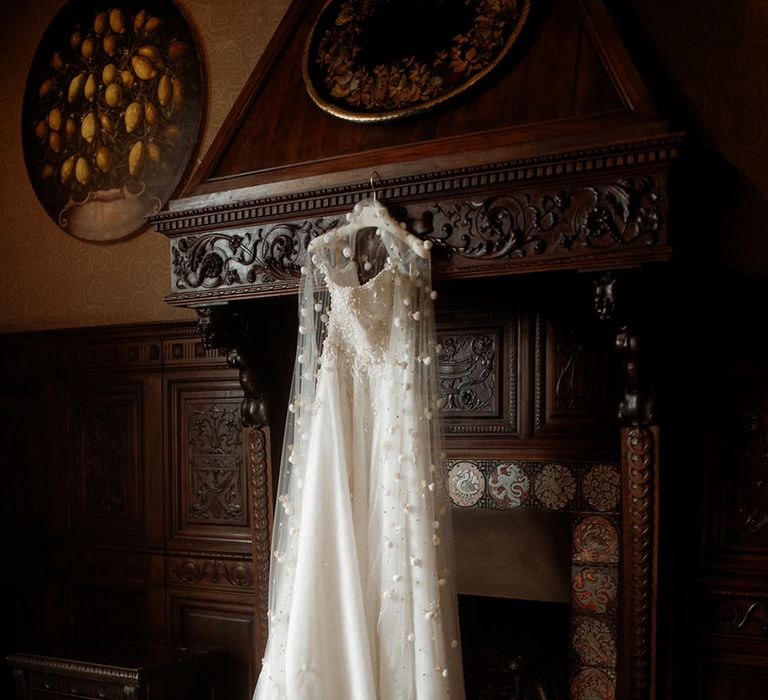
x,y
117,672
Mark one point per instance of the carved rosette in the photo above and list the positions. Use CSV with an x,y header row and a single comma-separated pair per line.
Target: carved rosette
x,y
639,456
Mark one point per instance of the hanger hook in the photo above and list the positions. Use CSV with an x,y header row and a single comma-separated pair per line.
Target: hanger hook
x,y
374,176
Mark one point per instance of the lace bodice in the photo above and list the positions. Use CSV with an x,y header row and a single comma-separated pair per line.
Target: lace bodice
x,y
360,317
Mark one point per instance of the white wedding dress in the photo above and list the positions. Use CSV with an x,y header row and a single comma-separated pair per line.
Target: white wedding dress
x,y
362,596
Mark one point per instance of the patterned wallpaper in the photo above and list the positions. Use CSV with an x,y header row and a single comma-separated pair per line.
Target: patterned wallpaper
x,y
51,280
712,53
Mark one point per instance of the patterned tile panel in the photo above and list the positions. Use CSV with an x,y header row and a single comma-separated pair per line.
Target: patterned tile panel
x,y
591,491
596,541
508,485
601,487
466,484
577,487
595,588
554,486
593,641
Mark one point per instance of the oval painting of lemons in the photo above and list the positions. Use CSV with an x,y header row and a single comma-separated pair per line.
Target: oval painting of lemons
x,y
112,114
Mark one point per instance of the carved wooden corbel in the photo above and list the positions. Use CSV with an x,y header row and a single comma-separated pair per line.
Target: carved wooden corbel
x,y
637,401
233,331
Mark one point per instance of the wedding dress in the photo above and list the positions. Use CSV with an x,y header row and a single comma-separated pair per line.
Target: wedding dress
x,y
362,602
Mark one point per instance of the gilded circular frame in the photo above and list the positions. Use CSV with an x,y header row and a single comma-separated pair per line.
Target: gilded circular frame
x,y
381,60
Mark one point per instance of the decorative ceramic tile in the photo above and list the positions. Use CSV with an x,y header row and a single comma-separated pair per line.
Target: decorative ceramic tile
x,y
595,540
594,642
594,588
509,485
554,486
602,487
593,684
466,484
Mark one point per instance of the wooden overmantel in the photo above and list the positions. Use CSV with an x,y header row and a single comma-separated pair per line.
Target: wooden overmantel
x,y
551,164
558,160
595,207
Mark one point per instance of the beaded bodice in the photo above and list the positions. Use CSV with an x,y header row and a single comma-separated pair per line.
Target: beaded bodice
x,y
360,317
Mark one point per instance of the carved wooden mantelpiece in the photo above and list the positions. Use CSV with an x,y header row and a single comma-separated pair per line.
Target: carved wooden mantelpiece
x,y
540,170
598,208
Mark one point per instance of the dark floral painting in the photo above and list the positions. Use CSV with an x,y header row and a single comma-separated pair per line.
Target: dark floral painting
x,y
112,113
376,60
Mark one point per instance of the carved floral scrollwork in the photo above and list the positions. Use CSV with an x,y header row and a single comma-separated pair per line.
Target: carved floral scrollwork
x,y
743,615
215,429
535,223
215,443
215,571
502,226
467,373
219,495
244,256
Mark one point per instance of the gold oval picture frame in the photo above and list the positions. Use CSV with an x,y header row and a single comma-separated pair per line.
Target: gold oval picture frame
x,y
381,60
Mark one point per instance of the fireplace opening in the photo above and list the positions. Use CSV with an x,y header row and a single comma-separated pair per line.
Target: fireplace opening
x,y
514,580
514,649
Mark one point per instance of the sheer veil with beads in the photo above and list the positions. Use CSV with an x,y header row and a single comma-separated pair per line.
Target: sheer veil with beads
x,y
362,601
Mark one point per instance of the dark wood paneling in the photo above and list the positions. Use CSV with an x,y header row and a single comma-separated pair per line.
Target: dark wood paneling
x,y
109,474
532,370
731,615
208,479
219,620
572,390
741,678
112,613
21,412
99,423
737,509
115,436
478,373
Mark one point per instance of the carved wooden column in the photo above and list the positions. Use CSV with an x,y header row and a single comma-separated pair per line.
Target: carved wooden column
x,y
639,568
640,502
257,440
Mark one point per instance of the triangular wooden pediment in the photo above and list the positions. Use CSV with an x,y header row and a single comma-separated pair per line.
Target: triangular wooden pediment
x,y
569,82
